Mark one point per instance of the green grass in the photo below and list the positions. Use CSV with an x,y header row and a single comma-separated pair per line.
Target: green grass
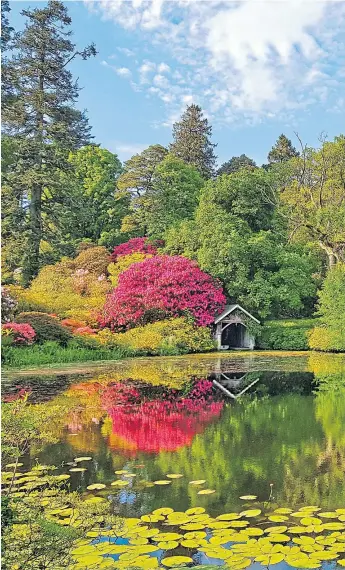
x,y
52,353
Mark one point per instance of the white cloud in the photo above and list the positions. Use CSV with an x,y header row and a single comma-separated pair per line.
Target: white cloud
x,y
127,52
123,71
245,60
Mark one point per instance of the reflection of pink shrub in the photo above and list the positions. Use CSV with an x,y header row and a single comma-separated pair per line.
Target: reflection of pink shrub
x,y
138,245
22,333
160,287
164,424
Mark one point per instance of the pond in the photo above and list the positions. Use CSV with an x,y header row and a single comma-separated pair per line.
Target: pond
x,y
267,425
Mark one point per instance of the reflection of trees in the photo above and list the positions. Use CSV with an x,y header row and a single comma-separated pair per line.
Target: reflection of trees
x,y
260,442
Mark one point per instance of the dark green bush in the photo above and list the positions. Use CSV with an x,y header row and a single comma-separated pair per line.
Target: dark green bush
x,y
46,327
286,335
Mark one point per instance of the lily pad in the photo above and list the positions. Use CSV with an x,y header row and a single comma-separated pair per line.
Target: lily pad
x,y
162,482
96,487
206,492
248,497
173,561
174,475
77,459
197,482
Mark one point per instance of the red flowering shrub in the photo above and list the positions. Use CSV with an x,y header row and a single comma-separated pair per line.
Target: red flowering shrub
x,y
161,287
84,330
22,333
138,245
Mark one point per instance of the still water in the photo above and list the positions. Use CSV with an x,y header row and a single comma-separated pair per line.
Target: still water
x,y
271,425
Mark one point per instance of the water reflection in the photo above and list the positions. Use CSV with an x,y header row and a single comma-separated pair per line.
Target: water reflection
x,y
280,435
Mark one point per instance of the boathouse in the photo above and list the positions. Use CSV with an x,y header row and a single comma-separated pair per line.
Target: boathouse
x,y
232,329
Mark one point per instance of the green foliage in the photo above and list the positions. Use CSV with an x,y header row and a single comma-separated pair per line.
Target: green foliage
x,y
168,337
174,195
95,211
39,112
45,327
236,163
285,334
192,141
331,335
282,151
312,197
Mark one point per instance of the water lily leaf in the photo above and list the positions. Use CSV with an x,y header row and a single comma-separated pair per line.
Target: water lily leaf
x,y
190,543
93,500
90,559
152,518
267,560
197,482
76,459
328,515
193,526
218,540
324,555
81,550
196,535
129,475
77,469
138,541
61,477
283,511
298,529
162,482
279,538
278,518
276,529
206,492
121,471
119,483
195,511
149,533
302,563
303,540
306,521
219,524
168,545
163,511
96,487
341,562
248,497
9,465
174,475
253,531
333,526
239,524
229,517
251,513
172,561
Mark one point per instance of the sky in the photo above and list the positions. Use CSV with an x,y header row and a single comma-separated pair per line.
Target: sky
x,y
257,69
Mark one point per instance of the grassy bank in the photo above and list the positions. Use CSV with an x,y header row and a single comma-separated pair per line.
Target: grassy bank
x,y
53,353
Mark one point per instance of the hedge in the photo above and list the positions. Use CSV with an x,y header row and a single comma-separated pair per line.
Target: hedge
x,y
286,334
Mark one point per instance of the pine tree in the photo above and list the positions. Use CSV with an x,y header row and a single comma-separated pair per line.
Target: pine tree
x,y
192,141
282,150
40,113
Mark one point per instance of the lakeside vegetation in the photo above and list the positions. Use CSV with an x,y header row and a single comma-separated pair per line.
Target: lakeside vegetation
x,y
105,259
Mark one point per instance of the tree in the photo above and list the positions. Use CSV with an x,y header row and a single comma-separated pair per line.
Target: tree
x,y
94,210
282,150
192,141
313,197
41,114
138,171
173,197
161,287
236,163
331,334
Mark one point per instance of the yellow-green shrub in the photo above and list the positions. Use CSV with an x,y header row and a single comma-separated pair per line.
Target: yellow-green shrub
x,y
122,263
327,339
69,288
171,336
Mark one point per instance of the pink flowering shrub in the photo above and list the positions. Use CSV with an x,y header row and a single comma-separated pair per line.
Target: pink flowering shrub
x,y
162,287
22,333
138,245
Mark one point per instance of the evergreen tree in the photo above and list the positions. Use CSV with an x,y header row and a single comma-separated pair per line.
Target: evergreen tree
x,y
41,114
236,163
282,150
137,176
192,141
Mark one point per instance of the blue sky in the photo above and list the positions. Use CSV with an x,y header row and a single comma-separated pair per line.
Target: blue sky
x,y
256,68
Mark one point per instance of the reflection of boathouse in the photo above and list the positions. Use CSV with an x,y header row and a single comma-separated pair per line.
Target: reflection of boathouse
x,y
233,328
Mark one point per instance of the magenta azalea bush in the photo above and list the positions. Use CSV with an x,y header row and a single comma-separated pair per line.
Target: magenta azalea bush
x,y
161,287
22,333
138,245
